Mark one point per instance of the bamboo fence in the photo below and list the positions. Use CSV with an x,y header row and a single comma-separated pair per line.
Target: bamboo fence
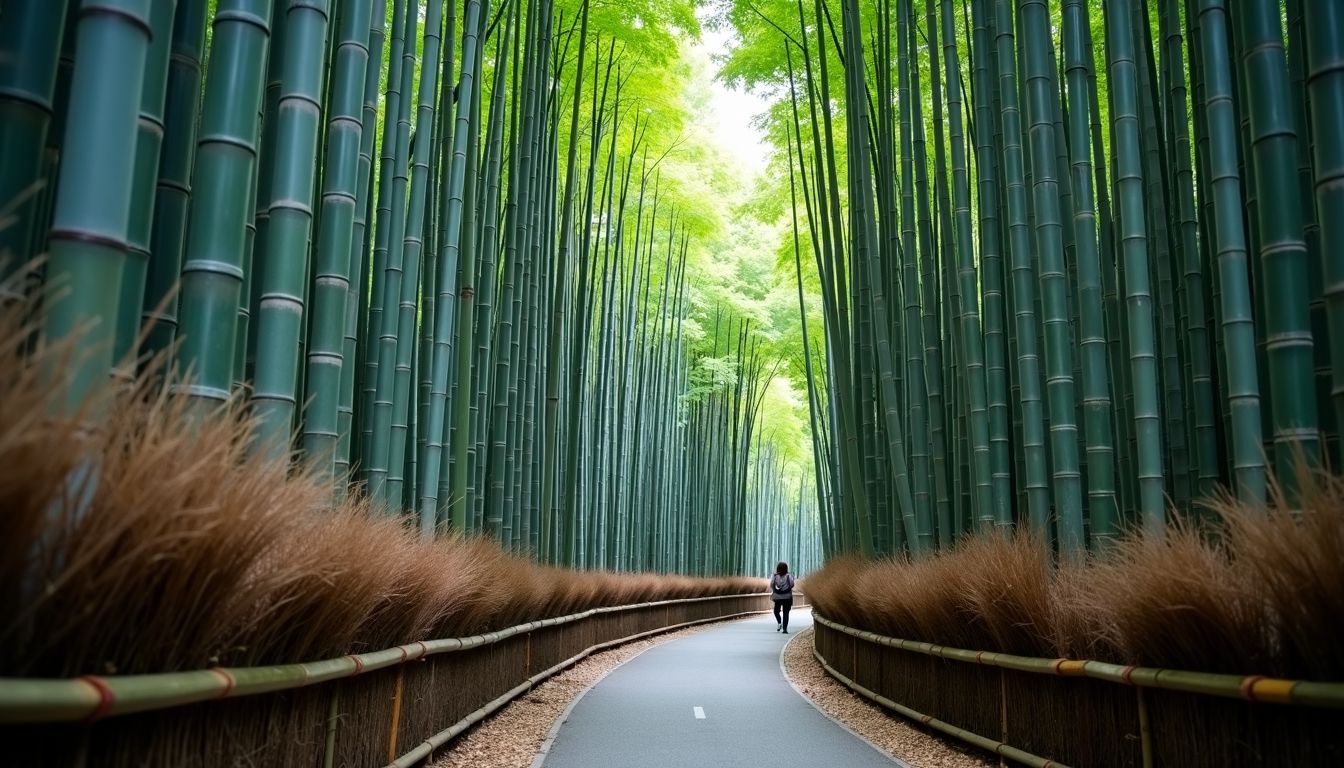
x,y
395,706
1059,712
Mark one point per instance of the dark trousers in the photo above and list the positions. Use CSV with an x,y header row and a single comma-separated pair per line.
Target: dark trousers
x,y
784,605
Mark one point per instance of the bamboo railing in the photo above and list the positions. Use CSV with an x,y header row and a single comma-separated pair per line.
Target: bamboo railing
x,y
1058,712
355,710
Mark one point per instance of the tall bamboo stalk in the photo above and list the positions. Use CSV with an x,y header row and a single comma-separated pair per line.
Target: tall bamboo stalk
x,y
226,157
90,219
284,276
332,280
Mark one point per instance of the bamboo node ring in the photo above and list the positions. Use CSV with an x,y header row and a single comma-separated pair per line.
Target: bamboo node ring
x,y
229,681
1248,686
105,697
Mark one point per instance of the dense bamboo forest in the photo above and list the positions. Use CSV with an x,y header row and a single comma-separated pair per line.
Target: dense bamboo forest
x,y
1066,231
367,332
453,258
1073,260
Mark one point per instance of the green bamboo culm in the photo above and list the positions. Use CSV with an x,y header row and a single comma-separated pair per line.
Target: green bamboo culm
x,y
1133,236
911,320
412,251
1271,158
388,254
1193,261
328,358
969,320
447,269
257,240
459,214
1038,65
378,223
864,250
284,275
1230,244
172,196
348,446
226,162
1022,283
991,257
144,185
1103,513
30,47
555,343
91,218
1324,26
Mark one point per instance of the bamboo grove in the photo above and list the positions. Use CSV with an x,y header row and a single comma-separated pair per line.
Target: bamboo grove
x,y
430,245
1078,261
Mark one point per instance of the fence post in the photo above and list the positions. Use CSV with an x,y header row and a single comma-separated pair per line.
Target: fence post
x,y
1003,711
333,715
1145,731
396,715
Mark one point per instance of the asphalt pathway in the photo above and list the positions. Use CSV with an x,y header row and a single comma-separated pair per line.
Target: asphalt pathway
x,y
715,698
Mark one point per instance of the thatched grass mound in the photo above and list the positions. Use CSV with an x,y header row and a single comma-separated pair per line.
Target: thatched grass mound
x,y
1248,591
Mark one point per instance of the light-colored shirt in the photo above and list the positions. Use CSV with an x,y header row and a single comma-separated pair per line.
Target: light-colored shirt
x,y
785,583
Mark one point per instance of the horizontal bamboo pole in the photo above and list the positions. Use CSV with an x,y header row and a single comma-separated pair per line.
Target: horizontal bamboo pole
x,y
427,747
1249,688
970,737
92,697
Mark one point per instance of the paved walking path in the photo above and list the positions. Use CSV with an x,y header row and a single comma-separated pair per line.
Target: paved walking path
x,y
715,698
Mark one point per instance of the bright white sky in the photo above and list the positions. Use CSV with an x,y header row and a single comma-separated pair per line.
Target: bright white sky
x,y
731,110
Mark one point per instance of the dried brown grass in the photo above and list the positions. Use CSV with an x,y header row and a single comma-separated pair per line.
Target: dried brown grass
x,y
1178,601
1244,591
158,542
1297,564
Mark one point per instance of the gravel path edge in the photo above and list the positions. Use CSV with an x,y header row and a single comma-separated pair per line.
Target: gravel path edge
x,y
785,672
545,748
891,732
560,719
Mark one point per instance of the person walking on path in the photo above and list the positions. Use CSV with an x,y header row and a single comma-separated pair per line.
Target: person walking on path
x,y
781,590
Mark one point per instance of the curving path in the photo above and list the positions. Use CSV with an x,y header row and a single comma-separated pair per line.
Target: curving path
x,y
715,698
